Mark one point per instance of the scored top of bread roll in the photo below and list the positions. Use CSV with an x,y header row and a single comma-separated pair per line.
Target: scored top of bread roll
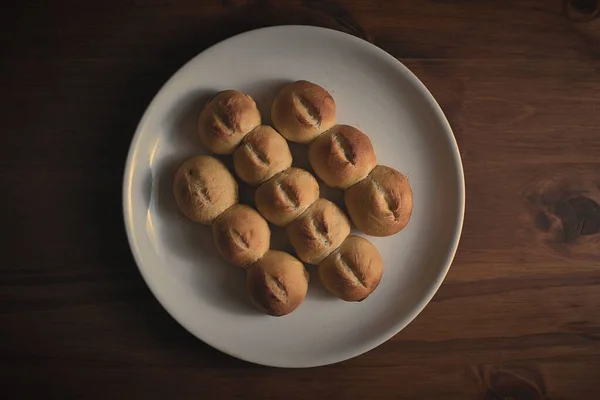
x,y
203,188
303,110
242,235
288,194
319,231
226,119
277,283
342,156
381,204
262,154
353,271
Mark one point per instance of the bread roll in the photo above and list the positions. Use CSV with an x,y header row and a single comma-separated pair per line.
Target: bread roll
x,y
353,271
242,235
319,231
287,195
277,283
342,156
204,188
262,154
381,204
303,110
226,119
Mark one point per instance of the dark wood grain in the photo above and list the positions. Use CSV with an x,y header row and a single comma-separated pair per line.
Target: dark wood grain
x,y
518,316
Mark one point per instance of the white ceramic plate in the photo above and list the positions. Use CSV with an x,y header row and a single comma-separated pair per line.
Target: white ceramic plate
x,y
374,92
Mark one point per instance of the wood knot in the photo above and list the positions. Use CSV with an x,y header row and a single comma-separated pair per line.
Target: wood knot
x,y
499,383
571,217
565,211
581,10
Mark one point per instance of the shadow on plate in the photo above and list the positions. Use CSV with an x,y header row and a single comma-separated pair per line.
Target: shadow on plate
x,y
183,124
316,290
263,92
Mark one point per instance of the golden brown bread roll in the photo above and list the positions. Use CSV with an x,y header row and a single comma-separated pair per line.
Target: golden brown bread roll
x,y
242,235
353,271
226,119
262,154
287,195
342,156
319,231
277,283
204,188
303,110
381,204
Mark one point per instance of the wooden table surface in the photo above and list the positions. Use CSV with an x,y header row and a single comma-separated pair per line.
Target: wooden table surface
x,y
518,316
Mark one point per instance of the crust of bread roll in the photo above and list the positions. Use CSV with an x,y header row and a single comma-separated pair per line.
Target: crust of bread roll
x,y
262,154
277,283
381,204
286,196
226,119
319,231
203,188
342,156
353,271
302,111
241,235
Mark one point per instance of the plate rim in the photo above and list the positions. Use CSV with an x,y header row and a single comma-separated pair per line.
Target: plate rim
x,y
385,335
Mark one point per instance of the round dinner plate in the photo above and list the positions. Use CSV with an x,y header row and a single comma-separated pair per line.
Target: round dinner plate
x,y
374,92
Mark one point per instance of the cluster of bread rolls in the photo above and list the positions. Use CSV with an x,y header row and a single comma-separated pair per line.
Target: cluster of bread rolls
x,y
350,267
206,192
378,198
